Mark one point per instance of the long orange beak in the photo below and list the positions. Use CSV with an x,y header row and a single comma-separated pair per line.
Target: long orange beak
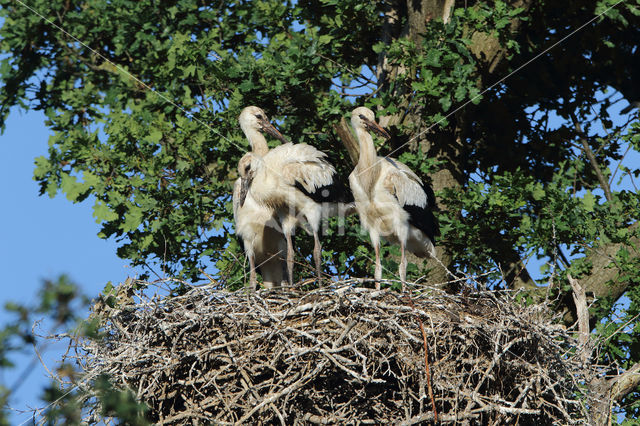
x,y
375,127
270,129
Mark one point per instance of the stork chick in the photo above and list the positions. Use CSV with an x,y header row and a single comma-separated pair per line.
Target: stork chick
x,y
256,224
299,183
256,227
392,201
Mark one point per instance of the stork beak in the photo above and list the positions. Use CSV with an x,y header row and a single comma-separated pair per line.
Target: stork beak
x,y
270,129
245,182
376,128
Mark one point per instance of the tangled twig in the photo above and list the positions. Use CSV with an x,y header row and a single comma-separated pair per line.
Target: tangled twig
x,y
340,355
426,362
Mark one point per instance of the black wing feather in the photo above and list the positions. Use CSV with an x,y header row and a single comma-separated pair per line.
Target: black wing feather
x,y
336,192
423,217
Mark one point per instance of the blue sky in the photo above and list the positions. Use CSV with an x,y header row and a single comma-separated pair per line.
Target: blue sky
x,y
42,237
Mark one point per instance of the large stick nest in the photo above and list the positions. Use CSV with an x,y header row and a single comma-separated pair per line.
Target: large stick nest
x,y
340,355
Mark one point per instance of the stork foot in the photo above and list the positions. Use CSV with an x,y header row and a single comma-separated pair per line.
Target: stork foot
x,y
289,260
317,255
253,282
378,271
402,269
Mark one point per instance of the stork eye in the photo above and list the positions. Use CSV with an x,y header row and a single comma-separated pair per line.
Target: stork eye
x,y
259,116
362,117
247,168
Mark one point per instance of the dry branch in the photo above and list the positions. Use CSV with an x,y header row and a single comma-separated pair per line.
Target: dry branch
x,y
582,311
349,141
340,355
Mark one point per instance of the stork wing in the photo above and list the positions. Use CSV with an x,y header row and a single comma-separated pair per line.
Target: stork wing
x,y
236,198
304,167
237,188
415,197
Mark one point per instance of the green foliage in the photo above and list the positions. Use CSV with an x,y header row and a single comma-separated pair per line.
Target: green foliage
x,y
120,404
4,403
56,298
65,406
61,305
156,154
59,302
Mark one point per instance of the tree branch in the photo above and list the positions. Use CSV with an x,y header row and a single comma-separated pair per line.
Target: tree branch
x,y
605,280
448,8
349,142
605,392
592,159
580,300
487,48
514,270
625,382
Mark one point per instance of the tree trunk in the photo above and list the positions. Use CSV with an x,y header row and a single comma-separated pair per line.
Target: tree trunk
x,y
605,279
443,145
604,392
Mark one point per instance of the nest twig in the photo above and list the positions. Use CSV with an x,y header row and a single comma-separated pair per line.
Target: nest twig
x,y
340,355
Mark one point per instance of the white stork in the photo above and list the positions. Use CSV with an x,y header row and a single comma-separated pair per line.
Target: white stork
x,y
253,122
255,223
298,182
256,227
391,200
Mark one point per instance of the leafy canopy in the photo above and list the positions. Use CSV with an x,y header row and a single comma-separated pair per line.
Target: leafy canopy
x,y
535,165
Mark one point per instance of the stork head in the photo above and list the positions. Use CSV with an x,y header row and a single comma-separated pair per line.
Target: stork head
x,y
254,118
246,175
364,118
244,165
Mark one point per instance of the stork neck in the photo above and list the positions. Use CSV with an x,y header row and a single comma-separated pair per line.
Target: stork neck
x,y
257,141
368,152
366,168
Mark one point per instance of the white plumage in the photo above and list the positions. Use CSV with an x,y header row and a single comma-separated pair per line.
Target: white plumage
x,y
391,200
280,174
256,225
296,180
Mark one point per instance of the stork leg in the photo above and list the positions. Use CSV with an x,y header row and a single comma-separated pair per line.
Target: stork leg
x,y
317,255
402,269
289,258
378,271
253,283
